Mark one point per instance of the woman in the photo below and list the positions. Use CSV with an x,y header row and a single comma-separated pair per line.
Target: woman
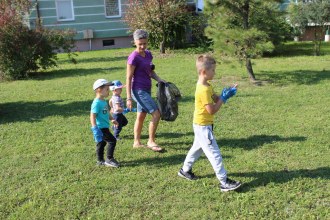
x,y
138,81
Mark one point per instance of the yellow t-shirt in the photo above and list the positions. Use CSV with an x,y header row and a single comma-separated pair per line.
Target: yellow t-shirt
x,y
203,96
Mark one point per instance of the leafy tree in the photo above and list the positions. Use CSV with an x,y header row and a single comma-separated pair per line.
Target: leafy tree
x,y
22,50
165,20
314,13
244,29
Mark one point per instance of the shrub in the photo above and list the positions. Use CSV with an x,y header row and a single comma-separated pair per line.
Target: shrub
x,y
24,51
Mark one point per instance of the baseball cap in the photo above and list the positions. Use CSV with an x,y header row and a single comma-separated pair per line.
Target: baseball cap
x,y
116,85
101,82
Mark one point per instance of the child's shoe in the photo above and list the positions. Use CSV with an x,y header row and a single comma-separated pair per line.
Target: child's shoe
x,y
229,185
111,163
187,175
100,163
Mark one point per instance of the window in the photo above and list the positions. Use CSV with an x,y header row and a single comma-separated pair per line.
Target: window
x,y
107,43
64,10
112,8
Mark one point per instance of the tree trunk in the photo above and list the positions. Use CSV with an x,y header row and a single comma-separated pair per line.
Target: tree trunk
x,y
245,14
162,46
249,69
162,43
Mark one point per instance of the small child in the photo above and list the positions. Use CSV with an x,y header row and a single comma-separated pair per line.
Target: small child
x,y
99,118
117,105
207,103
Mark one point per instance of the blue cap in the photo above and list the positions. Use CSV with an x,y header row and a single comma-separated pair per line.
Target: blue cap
x,y
116,85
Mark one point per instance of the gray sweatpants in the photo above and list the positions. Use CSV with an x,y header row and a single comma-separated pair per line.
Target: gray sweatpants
x,y
204,141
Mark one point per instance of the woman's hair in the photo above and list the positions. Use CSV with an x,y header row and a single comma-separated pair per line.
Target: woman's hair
x,y
204,61
140,34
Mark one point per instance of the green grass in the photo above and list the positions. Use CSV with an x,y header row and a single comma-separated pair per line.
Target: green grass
x,y
274,138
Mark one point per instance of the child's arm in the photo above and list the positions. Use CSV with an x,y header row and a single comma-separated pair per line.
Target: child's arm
x,y
119,108
215,97
111,107
93,119
97,133
213,108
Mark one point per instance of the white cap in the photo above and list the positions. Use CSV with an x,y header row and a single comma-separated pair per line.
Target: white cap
x,y
101,82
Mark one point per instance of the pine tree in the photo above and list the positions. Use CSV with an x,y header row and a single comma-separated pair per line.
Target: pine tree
x,y
238,31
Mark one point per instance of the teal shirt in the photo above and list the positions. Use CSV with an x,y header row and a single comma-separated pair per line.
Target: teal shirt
x,y
101,109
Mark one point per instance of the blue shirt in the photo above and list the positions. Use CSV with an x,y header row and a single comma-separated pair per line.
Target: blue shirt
x,y
101,109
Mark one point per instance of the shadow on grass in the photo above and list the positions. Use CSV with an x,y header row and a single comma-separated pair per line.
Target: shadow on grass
x,y
161,161
256,141
35,111
187,99
80,59
282,176
294,49
156,161
61,73
298,77
101,59
175,135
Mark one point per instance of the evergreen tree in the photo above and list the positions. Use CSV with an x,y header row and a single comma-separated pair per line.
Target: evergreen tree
x,y
239,28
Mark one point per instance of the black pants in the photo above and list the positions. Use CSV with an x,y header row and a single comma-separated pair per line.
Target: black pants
x,y
122,122
109,139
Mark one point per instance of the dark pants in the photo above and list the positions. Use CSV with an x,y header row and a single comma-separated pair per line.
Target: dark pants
x,y
122,122
107,138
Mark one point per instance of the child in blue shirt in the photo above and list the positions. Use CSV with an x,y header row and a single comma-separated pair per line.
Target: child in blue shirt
x,y
99,118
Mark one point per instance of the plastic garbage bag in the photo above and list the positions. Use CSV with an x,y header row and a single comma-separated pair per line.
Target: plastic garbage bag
x,y
168,96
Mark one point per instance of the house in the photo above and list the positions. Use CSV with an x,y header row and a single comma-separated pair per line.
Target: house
x,y
309,32
99,23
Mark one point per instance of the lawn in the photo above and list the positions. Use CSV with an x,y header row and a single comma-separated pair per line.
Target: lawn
x,y
274,138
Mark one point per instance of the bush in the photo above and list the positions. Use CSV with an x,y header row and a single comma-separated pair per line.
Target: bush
x,y
24,51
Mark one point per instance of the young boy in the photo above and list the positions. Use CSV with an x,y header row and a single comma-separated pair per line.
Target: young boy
x,y
207,103
117,105
99,118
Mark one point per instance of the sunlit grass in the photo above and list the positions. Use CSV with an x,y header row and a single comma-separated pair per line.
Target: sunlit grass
x,y
273,137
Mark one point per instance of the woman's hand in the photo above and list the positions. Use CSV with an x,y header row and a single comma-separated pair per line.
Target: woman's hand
x,y
129,104
161,80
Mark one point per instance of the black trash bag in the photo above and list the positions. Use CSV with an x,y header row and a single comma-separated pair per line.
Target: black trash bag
x,y
168,96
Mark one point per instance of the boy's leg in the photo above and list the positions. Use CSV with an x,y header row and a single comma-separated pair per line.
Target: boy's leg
x,y
212,152
111,140
194,153
100,150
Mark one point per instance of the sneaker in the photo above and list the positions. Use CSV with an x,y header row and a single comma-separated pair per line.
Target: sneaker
x,y
111,162
100,163
229,185
187,175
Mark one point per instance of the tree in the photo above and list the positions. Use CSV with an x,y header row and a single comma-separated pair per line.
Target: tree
x,y
313,13
22,50
241,29
164,20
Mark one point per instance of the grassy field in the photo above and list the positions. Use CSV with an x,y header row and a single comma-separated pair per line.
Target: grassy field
x,y
274,138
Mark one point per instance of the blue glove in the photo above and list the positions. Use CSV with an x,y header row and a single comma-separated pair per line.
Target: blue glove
x,y
227,93
126,110
97,133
